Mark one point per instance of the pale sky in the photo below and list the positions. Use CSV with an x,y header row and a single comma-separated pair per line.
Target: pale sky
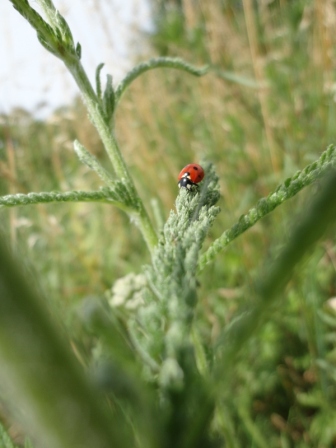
x,y
107,31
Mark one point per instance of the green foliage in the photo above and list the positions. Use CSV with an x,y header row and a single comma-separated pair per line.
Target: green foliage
x,y
98,82
5,440
56,37
109,99
108,195
285,191
234,355
171,296
162,62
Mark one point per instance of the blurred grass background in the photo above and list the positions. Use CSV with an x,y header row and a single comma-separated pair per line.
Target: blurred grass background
x,y
266,109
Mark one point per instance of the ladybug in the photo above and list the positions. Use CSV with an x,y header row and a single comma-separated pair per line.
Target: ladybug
x,y
190,176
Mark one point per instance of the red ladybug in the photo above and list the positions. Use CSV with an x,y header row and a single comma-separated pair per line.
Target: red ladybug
x,y
190,176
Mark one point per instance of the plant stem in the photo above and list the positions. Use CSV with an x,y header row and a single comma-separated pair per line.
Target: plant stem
x,y
97,116
106,134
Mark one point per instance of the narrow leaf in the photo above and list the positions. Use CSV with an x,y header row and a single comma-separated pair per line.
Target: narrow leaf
x,y
98,82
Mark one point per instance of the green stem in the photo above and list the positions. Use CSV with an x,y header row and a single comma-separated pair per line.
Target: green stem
x,y
97,116
111,146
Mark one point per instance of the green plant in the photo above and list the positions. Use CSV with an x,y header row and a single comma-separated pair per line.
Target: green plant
x,y
150,357
56,37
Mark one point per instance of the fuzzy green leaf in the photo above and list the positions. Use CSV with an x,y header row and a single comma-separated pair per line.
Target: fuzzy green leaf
x,y
319,216
283,192
161,62
98,81
79,50
109,99
116,196
92,162
171,294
